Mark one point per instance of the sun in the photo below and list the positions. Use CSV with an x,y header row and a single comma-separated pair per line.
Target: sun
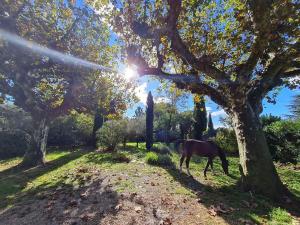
x,y
129,73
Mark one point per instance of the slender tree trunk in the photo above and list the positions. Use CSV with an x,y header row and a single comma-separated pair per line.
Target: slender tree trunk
x,y
256,166
37,151
98,122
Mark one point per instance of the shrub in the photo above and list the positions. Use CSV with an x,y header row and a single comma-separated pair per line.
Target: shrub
x,y
226,140
283,138
13,143
111,134
157,159
15,127
120,157
73,129
161,148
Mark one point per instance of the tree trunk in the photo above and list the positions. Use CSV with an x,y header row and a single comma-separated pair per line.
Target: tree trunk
x,y
98,122
37,151
256,166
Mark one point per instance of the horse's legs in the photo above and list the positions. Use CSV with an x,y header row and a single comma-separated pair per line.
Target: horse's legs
x,y
207,165
181,161
212,166
187,161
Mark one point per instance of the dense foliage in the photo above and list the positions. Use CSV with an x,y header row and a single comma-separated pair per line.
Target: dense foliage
x,y
71,130
226,139
283,138
13,143
111,134
15,127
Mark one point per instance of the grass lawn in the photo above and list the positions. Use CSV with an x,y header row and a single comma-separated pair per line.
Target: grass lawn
x,y
217,198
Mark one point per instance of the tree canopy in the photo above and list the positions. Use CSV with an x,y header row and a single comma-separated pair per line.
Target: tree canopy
x,y
47,87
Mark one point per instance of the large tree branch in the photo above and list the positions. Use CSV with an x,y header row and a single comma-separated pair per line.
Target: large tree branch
x,y
202,64
261,24
281,66
188,82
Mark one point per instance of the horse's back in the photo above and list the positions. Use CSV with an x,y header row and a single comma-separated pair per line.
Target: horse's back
x,y
201,148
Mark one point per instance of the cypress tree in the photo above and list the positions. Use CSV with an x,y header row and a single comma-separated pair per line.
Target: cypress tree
x,y
295,107
200,117
149,121
210,127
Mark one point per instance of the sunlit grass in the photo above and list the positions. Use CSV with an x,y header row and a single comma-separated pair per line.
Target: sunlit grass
x,y
219,188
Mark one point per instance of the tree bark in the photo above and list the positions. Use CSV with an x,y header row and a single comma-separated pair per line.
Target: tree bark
x,y
37,151
258,172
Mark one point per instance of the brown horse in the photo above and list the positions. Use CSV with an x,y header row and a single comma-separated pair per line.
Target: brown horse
x,y
202,148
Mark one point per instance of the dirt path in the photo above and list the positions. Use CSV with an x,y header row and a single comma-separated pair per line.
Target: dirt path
x,y
133,196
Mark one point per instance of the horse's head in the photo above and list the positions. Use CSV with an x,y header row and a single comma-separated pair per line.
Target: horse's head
x,y
225,166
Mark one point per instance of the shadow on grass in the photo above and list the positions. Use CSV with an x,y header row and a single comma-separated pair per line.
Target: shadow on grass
x,y
242,205
15,179
63,203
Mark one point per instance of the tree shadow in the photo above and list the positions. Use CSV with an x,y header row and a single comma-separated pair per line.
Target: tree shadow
x,y
236,205
64,203
15,179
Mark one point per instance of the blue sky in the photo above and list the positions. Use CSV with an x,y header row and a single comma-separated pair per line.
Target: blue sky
x,y
283,100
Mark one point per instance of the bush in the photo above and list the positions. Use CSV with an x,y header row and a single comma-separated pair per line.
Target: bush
x,y
13,143
15,127
157,159
111,134
226,140
120,157
161,148
71,130
283,138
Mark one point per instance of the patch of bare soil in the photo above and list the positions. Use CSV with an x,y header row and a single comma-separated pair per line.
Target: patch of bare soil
x,y
95,201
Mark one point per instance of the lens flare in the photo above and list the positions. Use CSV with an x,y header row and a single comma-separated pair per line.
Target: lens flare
x,y
53,54
129,73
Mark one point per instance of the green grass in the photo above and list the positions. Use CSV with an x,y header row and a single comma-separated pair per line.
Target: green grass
x,y
20,185
280,216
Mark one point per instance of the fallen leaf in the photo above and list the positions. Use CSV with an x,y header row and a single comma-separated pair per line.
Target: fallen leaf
x,y
167,221
84,217
245,221
118,207
73,203
212,212
138,209
83,195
